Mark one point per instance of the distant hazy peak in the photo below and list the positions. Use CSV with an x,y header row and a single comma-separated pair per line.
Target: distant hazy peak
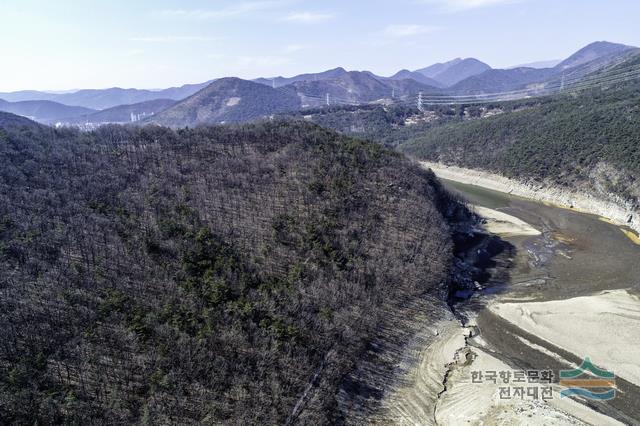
x,y
283,81
456,70
538,64
437,68
591,52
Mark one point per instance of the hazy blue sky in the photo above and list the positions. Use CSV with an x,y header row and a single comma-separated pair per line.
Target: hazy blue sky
x,y
66,44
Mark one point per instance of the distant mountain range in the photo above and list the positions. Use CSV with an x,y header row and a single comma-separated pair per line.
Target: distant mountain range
x,y
233,99
588,59
237,100
43,111
106,98
356,87
49,112
125,113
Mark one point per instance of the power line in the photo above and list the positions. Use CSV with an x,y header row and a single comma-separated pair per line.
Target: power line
x,y
511,96
547,86
545,89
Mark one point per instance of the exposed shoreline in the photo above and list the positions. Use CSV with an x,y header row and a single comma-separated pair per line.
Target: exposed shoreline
x,y
461,400
574,200
460,347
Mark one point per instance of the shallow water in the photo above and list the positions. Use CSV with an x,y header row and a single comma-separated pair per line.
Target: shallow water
x,y
579,253
576,255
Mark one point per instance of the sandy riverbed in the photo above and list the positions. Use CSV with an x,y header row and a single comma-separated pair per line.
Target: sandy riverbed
x,y
603,327
505,225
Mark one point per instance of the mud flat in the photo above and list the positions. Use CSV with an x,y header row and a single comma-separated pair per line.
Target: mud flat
x,y
617,211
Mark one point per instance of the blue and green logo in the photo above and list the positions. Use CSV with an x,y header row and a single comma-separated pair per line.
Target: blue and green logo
x,y
589,382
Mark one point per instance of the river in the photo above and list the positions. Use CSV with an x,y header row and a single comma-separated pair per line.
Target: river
x,y
567,294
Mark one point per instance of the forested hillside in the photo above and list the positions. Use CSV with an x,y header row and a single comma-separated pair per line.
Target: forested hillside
x,y
217,276
390,125
588,138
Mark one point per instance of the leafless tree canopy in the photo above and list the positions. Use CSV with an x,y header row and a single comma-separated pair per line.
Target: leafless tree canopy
x,y
230,275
